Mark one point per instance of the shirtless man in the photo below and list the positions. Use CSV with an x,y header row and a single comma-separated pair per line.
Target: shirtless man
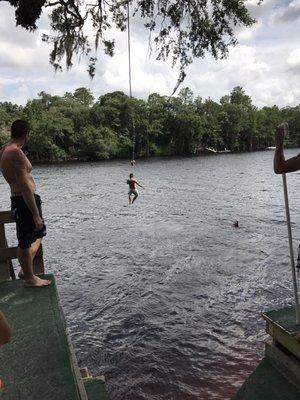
x,y
132,188
26,205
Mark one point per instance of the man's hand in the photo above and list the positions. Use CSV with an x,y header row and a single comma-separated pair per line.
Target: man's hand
x,y
279,136
38,222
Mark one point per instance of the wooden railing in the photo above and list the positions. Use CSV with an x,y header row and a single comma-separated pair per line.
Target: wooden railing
x,y
7,254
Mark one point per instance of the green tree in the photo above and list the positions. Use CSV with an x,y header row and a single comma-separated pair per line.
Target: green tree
x,y
185,125
84,96
157,112
73,126
51,138
182,30
212,134
237,121
8,113
116,111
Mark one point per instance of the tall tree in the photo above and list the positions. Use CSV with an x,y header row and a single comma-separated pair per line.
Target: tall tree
x,y
179,29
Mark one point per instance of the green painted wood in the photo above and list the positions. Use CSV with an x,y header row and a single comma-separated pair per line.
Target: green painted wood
x,y
35,364
95,389
285,318
266,383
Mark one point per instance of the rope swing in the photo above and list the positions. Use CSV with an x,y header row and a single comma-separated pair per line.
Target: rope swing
x,y
132,162
284,126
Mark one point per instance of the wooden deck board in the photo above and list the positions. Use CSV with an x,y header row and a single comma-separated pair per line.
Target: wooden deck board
x,y
36,364
266,383
95,389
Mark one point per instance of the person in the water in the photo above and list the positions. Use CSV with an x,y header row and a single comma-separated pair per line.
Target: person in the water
x,y
133,183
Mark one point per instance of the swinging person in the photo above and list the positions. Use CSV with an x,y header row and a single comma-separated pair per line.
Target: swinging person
x,y
132,188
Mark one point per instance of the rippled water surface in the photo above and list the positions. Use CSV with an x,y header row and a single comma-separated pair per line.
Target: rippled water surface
x,y
164,297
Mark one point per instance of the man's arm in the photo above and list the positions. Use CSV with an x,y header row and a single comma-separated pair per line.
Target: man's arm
x,y
281,165
139,185
24,184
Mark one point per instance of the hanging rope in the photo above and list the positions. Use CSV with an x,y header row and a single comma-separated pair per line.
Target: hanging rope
x,y
130,82
129,48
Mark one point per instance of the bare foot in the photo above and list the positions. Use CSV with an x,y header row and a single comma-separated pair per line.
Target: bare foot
x,y
36,282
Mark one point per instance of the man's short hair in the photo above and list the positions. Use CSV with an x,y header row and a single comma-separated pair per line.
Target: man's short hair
x,y
19,128
131,175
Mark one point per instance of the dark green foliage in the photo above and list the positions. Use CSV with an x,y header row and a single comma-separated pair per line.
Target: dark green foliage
x,y
74,126
28,12
179,29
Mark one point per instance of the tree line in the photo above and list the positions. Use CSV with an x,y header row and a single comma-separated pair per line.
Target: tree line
x,y
75,126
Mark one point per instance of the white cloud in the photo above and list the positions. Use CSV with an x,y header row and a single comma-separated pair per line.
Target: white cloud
x,y
290,13
260,9
16,57
293,61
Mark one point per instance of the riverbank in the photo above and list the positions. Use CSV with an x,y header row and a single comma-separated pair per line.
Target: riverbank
x,y
158,157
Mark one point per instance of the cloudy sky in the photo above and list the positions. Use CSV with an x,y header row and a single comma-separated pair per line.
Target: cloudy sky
x,y
266,62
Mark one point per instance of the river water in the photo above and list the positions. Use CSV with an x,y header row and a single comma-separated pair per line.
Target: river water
x,y
164,297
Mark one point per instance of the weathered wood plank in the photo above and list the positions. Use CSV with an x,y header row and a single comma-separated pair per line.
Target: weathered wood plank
x,y
6,217
10,265
9,253
76,371
285,318
4,265
286,339
40,368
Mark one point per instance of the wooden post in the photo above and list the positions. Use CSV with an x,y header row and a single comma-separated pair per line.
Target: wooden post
x,y
4,265
9,253
288,222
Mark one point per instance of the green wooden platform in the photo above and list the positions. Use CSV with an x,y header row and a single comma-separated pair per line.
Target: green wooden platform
x,y
277,377
285,318
37,364
95,389
266,383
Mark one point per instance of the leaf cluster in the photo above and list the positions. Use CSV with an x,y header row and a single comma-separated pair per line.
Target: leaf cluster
x,y
178,29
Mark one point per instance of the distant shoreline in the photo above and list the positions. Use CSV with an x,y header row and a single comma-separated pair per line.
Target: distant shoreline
x,y
167,156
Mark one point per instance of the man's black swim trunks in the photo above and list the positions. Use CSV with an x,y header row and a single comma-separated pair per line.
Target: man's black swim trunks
x,y
26,232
